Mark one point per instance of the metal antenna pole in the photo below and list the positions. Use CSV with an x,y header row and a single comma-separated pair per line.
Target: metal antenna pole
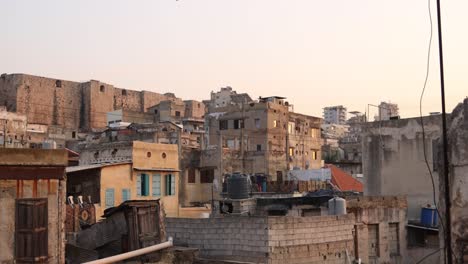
x,y
448,202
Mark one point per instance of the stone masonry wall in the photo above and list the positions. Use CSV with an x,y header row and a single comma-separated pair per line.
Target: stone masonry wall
x,y
315,239
230,238
279,239
69,104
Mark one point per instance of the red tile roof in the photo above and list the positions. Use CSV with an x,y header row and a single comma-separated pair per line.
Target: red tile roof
x,y
344,181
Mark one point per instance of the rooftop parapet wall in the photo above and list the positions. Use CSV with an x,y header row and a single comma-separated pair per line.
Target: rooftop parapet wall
x,y
36,157
377,201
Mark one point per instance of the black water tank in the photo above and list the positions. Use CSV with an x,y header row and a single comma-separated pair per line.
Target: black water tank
x,y
238,186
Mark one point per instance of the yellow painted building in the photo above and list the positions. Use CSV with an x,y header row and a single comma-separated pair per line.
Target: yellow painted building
x,y
153,173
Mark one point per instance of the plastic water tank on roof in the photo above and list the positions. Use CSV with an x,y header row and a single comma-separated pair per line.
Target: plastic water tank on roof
x,y
337,206
238,186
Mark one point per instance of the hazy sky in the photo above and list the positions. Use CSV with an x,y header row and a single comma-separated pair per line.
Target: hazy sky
x,y
316,53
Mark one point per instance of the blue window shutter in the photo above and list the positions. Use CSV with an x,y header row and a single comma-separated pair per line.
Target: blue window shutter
x,y
109,198
168,183
126,195
156,187
146,193
172,184
138,185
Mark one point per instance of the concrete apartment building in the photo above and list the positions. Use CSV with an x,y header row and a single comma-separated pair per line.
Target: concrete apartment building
x,y
387,110
335,115
32,205
260,137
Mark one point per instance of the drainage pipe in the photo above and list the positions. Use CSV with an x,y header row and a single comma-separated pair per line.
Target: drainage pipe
x,y
131,254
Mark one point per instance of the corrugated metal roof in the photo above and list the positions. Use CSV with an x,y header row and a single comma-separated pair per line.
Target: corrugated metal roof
x,y
92,166
344,181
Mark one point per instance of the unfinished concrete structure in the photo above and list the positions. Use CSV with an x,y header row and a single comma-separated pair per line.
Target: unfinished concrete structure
x,y
13,129
393,160
226,96
32,206
386,111
70,105
458,177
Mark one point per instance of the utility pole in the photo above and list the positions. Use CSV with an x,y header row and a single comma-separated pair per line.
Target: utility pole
x,y
448,202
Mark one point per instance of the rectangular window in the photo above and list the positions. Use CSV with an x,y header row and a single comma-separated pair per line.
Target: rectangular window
x,y
126,195
314,154
156,188
31,234
207,176
314,132
142,184
291,151
290,127
257,122
170,184
177,113
223,124
259,147
109,198
191,175
238,123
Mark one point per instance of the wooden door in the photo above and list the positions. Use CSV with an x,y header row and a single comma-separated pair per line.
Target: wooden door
x,y
31,241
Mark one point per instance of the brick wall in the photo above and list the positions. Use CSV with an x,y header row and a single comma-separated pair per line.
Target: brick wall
x,y
280,239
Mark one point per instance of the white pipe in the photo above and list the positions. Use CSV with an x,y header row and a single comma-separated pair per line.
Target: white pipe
x,y
132,254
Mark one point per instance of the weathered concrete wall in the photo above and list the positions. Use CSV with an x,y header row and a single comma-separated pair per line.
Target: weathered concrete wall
x,y
321,239
393,160
194,109
70,104
458,176
54,191
31,157
106,152
388,215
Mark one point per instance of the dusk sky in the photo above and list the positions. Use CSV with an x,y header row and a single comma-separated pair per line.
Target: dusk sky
x,y
316,53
